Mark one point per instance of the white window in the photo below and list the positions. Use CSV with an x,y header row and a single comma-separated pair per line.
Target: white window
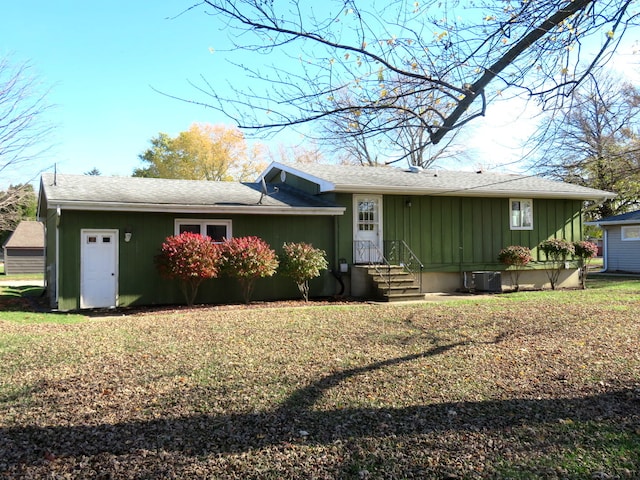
x,y
217,230
631,233
521,213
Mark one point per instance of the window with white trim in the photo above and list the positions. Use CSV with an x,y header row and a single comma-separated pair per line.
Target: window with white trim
x,y
217,230
631,233
521,213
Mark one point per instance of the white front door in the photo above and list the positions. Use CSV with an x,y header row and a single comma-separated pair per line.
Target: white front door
x,y
98,268
367,228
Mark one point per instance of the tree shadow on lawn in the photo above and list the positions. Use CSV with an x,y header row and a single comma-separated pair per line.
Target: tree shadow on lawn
x,y
296,422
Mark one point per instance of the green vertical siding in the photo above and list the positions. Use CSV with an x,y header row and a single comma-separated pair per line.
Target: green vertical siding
x,y
448,234
345,227
456,233
139,282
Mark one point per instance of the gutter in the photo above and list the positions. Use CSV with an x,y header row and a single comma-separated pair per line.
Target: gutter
x,y
201,209
600,224
468,192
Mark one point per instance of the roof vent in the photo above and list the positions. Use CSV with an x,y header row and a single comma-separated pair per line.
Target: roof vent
x,y
415,169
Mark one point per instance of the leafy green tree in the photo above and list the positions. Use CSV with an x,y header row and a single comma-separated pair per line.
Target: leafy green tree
x,y
247,259
191,259
302,262
204,152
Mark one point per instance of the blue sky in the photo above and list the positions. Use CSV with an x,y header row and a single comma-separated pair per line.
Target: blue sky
x,y
103,59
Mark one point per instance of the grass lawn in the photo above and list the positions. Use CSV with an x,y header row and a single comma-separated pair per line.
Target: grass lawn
x,y
523,386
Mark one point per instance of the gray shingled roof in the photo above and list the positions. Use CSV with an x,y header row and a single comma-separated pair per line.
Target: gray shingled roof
x,y
28,234
347,178
629,217
152,194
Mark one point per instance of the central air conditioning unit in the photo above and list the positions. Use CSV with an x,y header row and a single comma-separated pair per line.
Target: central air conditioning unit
x,y
487,281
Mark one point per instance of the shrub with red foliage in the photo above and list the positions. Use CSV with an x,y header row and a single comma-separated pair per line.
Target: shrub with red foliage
x,y
191,259
585,251
518,257
247,259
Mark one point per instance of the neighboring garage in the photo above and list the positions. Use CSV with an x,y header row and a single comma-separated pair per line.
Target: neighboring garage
x,y
24,251
621,242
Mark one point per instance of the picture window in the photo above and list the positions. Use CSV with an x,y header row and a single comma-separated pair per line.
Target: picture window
x,y
217,230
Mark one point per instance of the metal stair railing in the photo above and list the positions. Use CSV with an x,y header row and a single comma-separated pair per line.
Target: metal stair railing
x,y
398,252
381,265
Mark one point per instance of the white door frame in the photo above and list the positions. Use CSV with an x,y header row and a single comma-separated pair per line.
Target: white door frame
x,y
107,296
367,227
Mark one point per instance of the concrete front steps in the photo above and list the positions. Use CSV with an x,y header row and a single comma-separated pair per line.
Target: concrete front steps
x,y
394,284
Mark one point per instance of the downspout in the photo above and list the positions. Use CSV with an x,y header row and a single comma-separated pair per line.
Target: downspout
x,y
336,272
463,274
605,249
57,256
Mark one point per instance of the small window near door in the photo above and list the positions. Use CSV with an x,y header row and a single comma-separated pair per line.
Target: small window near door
x,y
106,239
366,215
217,230
92,239
631,233
521,214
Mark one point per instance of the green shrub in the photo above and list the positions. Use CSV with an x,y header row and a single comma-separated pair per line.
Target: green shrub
x,y
302,262
189,258
247,259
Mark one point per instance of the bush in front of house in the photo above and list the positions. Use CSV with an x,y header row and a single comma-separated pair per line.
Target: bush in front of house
x,y
302,262
585,251
557,251
247,259
518,257
189,258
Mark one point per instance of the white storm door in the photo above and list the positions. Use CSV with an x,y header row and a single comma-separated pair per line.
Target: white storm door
x,y
367,229
98,268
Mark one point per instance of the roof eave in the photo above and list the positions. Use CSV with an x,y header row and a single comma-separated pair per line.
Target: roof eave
x,y
471,192
599,223
199,209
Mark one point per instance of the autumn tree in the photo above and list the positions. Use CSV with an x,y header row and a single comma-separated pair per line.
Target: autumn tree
x,y
595,142
23,134
451,59
204,152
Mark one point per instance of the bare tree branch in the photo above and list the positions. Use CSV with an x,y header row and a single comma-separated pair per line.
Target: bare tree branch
x,y
444,55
